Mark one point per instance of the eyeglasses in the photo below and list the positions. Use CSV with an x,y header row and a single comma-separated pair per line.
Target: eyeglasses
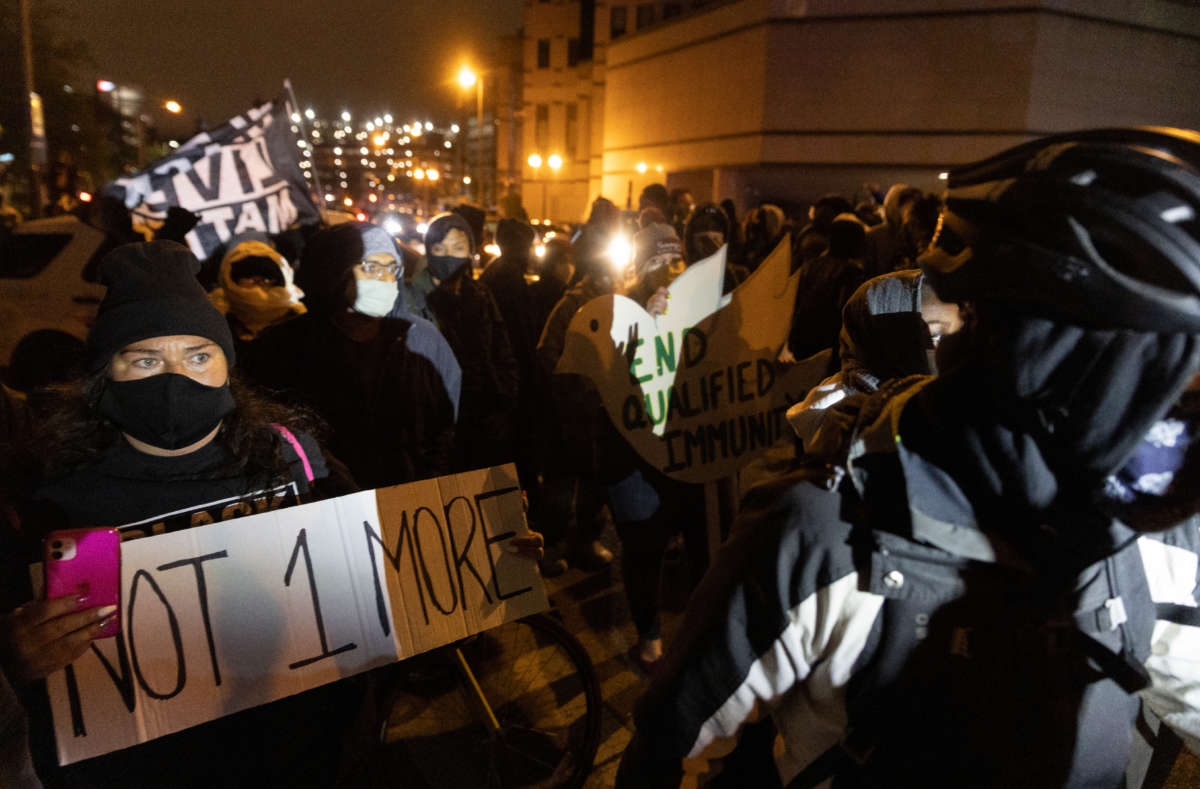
x,y
379,270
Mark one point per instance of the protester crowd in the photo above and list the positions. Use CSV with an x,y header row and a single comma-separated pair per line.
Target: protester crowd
x,y
953,582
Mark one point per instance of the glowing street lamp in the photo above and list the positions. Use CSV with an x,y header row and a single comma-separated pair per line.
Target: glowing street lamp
x,y
466,77
555,161
172,106
535,161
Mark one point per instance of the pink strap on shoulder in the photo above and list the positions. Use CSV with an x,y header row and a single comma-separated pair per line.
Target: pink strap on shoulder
x,y
291,439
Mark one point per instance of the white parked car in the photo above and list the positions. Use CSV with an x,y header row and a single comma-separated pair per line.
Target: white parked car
x,y
48,279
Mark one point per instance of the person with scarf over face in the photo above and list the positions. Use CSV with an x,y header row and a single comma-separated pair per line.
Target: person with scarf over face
x,y
469,318
388,387
254,288
161,434
969,605
890,328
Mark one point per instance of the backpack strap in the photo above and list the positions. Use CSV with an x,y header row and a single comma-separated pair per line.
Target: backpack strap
x,y
295,442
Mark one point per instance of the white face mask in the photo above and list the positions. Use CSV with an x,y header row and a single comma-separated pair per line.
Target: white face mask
x,y
375,297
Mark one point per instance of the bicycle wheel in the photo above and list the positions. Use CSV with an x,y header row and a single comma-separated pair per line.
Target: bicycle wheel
x,y
539,684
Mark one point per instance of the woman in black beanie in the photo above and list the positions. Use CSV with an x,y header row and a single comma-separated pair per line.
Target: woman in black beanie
x,y
158,429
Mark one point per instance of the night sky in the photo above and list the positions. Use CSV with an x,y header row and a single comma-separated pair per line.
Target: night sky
x,y
368,56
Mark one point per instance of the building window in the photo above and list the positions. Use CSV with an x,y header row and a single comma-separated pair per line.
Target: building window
x,y
541,127
671,10
543,53
645,15
617,20
572,145
572,52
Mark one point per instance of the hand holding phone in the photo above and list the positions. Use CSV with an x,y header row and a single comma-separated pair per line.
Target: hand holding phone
x,y
44,636
85,564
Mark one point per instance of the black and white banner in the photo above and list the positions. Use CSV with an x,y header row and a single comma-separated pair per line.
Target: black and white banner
x,y
244,175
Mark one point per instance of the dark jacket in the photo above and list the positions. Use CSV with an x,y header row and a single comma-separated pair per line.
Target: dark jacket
x,y
469,319
933,607
390,409
826,283
576,406
505,278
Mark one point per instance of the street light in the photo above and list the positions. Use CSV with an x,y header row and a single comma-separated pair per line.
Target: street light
x,y
468,79
554,162
172,106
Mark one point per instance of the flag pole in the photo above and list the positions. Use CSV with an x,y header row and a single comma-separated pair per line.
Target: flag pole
x,y
316,177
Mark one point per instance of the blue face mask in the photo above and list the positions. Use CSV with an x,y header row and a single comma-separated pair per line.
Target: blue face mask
x,y
1152,467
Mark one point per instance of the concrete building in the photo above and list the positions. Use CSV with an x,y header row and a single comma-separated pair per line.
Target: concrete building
x,y
789,99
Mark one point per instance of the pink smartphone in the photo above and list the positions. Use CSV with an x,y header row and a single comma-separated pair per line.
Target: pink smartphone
x,y
85,563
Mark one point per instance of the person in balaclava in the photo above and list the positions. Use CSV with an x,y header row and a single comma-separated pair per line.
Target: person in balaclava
x,y
254,287
966,602
468,317
160,435
388,387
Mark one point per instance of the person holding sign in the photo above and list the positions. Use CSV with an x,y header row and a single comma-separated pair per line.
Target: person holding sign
x,y
161,436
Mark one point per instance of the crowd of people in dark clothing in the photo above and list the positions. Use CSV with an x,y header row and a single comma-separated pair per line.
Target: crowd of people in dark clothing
x,y
955,404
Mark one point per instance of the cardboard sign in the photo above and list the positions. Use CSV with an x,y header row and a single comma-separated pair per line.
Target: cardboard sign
x,y
696,391
232,615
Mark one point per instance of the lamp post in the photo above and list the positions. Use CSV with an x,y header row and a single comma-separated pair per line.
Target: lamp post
x,y
554,162
468,79
535,161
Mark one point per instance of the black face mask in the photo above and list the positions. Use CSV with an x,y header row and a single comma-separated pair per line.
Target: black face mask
x,y
443,266
168,411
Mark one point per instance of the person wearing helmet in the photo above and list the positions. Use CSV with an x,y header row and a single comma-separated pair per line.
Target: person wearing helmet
x,y
977,599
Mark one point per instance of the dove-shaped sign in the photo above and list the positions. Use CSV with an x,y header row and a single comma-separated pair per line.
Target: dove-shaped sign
x,y
696,391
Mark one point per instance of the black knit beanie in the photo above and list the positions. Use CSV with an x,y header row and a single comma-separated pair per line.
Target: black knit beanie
x,y
514,237
152,292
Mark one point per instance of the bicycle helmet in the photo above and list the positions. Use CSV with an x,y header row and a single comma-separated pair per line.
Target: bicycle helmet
x,y
1095,228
